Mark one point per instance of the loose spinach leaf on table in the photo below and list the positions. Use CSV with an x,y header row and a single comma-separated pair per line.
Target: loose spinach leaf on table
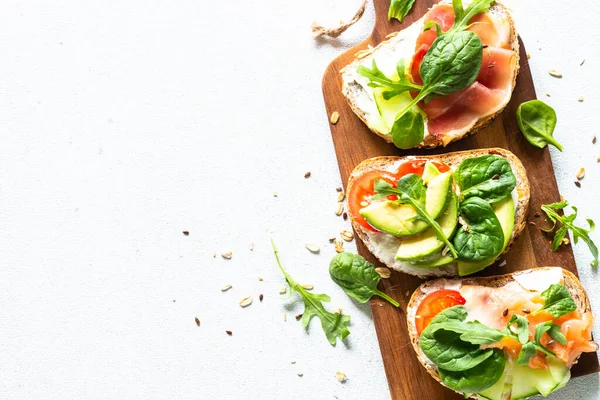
x,y
537,121
408,130
411,190
478,378
568,223
357,277
335,325
482,237
557,301
399,9
489,177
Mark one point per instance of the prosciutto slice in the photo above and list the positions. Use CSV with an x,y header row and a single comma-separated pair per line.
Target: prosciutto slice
x,y
451,116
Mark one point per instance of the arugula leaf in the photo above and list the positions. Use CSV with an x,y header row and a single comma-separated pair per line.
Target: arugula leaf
x,y
568,223
490,177
476,379
553,331
377,79
408,130
334,325
411,190
482,237
399,9
527,351
522,327
537,121
357,277
462,16
473,332
557,301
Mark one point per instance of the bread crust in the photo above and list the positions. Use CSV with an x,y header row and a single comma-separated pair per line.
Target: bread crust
x,y
430,141
451,159
571,282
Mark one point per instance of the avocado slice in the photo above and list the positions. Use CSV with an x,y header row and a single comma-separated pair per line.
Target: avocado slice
x,y
427,243
430,172
388,109
505,211
435,262
399,219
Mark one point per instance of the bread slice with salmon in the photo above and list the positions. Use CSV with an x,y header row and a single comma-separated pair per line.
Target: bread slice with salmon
x,y
478,199
372,83
522,332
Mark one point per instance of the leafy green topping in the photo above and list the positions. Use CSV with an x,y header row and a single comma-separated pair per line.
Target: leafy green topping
x,y
463,16
408,130
553,331
478,378
489,177
378,79
335,325
399,9
522,327
411,190
557,301
481,237
537,121
357,277
527,351
568,223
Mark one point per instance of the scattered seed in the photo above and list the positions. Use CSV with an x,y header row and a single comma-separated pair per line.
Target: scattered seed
x,y
547,94
313,248
197,321
345,216
339,245
526,311
308,286
251,246
214,254
528,56
284,317
274,194
594,140
555,73
282,289
341,196
338,189
227,255
335,116
580,173
407,293
598,159
565,241
496,176
229,333
246,301
298,317
293,362
341,376
383,272
307,175
505,313
331,240
300,374
580,99
260,278
260,297
578,184
339,209
186,233
582,62
347,235
225,288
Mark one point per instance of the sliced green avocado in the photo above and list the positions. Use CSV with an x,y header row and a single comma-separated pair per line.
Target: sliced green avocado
x,y
505,211
399,219
388,109
427,243
435,262
430,172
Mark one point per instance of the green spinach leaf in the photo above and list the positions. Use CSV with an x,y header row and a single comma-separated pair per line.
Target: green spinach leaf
x,y
553,331
527,351
463,16
478,378
537,120
399,9
522,327
335,325
568,223
489,177
411,190
557,301
408,130
473,332
357,277
482,237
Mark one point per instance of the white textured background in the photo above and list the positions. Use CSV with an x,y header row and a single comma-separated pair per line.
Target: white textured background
x,y
124,123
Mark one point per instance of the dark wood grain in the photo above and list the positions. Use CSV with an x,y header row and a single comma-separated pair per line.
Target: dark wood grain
x,y
354,142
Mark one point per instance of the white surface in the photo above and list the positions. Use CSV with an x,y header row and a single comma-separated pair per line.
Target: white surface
x,y
124,123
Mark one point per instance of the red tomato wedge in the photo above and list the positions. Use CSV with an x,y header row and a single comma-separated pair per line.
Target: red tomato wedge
x,y
433,304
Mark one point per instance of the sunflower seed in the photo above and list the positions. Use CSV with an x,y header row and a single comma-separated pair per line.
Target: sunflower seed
x,y
547,94
300,374
225,288
284,317
580,99
565,241
335,116
528,56
555,73
313,248
227,255
260,278
341,376
341,196
246,301
383,272
580,173
214,254
339,209
308,286
339,245
347,235
282,289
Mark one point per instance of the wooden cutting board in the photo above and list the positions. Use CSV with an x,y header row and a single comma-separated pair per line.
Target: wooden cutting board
x,y
354,142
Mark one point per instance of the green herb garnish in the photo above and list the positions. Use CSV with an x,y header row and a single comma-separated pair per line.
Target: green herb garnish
x,y
537,121
399,9
557,301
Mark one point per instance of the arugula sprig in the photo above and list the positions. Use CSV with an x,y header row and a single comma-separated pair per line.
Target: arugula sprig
x,y
412,191
335,325
529,348
394,87
568,223
461,16
399,9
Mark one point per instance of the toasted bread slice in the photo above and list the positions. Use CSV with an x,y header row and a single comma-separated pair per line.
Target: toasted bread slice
x,y
537,279
401,44
453,160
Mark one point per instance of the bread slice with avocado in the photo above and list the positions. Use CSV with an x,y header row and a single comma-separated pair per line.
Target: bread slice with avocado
x,y
492,301
402,239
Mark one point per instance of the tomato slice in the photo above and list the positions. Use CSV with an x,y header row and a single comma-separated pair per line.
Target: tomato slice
x,y
433,304
362,189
